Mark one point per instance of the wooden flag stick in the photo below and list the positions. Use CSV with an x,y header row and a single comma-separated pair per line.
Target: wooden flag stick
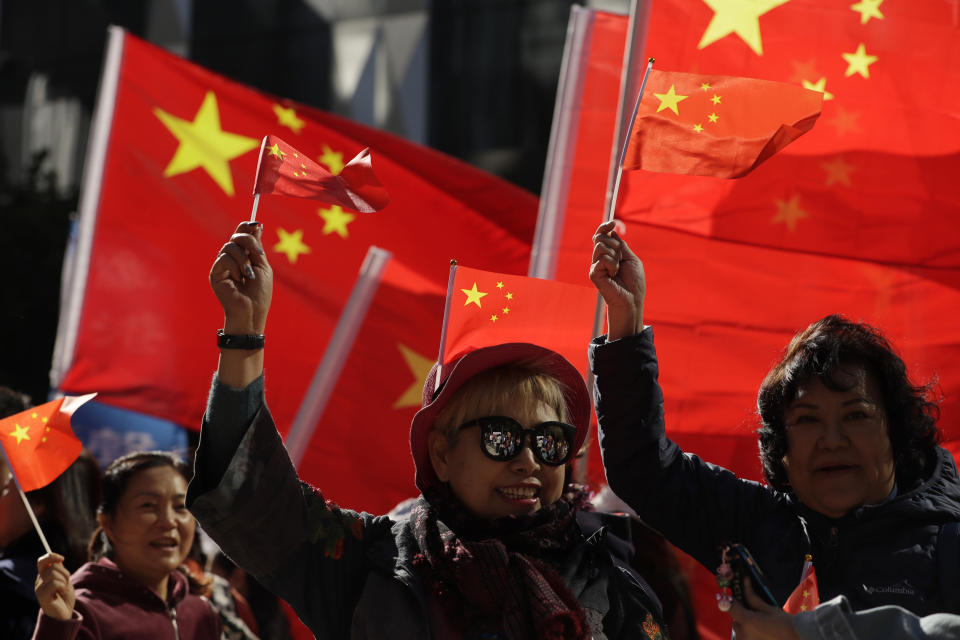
x,y
626,143
26,502
443,329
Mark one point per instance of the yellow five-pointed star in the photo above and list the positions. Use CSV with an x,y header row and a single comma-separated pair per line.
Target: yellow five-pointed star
x,y
335,220
20,433
505,310
420,368
499,285
713,117
494,318
669,100
859,62
820,85
333,160
837,171
275,151
789,212
715,99
291,244
741,17
204,144
705,86
473,295
288,118
509,296
868,9
698,127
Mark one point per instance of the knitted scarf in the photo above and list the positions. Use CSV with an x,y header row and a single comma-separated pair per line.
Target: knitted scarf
x,y
498,571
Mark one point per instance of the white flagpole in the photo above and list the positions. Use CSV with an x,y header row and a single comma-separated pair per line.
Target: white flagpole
x,y
612,202
443,329
26,502
75,273
563,143
256,202
256,179
338,349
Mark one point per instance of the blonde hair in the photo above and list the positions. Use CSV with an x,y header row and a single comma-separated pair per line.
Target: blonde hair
x,y
498,391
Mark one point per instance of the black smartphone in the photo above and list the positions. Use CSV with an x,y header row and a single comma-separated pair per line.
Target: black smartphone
x,y
742,564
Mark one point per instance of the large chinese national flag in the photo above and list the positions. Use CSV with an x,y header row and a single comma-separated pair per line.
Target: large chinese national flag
x,y
857,216
178,151
359,454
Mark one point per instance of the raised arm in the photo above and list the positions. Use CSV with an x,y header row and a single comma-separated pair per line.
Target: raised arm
x,y
618,275
242,280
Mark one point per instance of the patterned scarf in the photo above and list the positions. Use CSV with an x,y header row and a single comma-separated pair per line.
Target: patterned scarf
x,y
498,571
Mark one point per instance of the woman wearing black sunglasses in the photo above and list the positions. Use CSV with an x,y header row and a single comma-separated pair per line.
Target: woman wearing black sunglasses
x,y
497,546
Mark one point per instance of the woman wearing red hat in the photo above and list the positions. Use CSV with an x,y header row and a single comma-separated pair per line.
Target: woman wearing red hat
x,y
497,545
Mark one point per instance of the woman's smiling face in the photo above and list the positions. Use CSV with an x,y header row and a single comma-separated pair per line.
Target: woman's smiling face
x,y
490,488
839,455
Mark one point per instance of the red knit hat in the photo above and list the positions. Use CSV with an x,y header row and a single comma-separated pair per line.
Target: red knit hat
x,y
458,372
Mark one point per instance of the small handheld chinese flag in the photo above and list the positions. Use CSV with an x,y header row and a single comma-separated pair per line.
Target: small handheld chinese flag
x,y
806,596
719,126
284,170
39,442
487,308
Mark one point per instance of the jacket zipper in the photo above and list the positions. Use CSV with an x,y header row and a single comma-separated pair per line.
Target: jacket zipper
x,y
173,621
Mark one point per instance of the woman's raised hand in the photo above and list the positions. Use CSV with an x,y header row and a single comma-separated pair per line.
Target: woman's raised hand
x,y
242,280
53,588
618,275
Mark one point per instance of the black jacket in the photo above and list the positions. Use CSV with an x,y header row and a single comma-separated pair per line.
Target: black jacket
x,y
875,555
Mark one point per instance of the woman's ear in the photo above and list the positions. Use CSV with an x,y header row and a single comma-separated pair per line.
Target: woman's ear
x,y
104,521
437,446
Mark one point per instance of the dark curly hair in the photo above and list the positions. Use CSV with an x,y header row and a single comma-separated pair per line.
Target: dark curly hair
x,y
817,351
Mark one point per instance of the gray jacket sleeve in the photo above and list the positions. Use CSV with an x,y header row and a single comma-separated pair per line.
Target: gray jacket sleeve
x,y
246,494
835,620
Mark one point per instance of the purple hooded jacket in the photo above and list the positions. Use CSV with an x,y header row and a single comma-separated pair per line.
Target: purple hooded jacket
x,y
112,605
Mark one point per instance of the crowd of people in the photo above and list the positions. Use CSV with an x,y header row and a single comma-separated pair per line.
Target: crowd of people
x,y
501,543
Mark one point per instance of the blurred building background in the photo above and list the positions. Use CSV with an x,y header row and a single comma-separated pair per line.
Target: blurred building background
x,y
473,78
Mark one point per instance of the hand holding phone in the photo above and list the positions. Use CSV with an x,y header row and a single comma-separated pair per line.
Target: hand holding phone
x,y
736,564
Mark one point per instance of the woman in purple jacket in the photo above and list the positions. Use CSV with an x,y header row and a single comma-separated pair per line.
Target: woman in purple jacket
x,y
132,586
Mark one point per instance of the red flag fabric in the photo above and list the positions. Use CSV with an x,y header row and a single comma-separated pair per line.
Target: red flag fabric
x,y
283,170
360,451
39,442
807,595
142,316
721,126
858,216
488,308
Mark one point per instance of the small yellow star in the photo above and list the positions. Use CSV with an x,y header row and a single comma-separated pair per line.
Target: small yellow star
x,y
705,86
698,127
473,295
806,594
291,244
420,368
494,318
803,607
303,166
204,144
20,433
713,117
845,121
34,415
789,212
333,160
858,62
288,118
335,219
868,9
44,420
499,285
509,296
275,151
820,85
505,310
669,100
715,99
838,171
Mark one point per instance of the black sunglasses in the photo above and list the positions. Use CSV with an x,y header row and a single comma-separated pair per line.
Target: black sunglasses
x,y
502,438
